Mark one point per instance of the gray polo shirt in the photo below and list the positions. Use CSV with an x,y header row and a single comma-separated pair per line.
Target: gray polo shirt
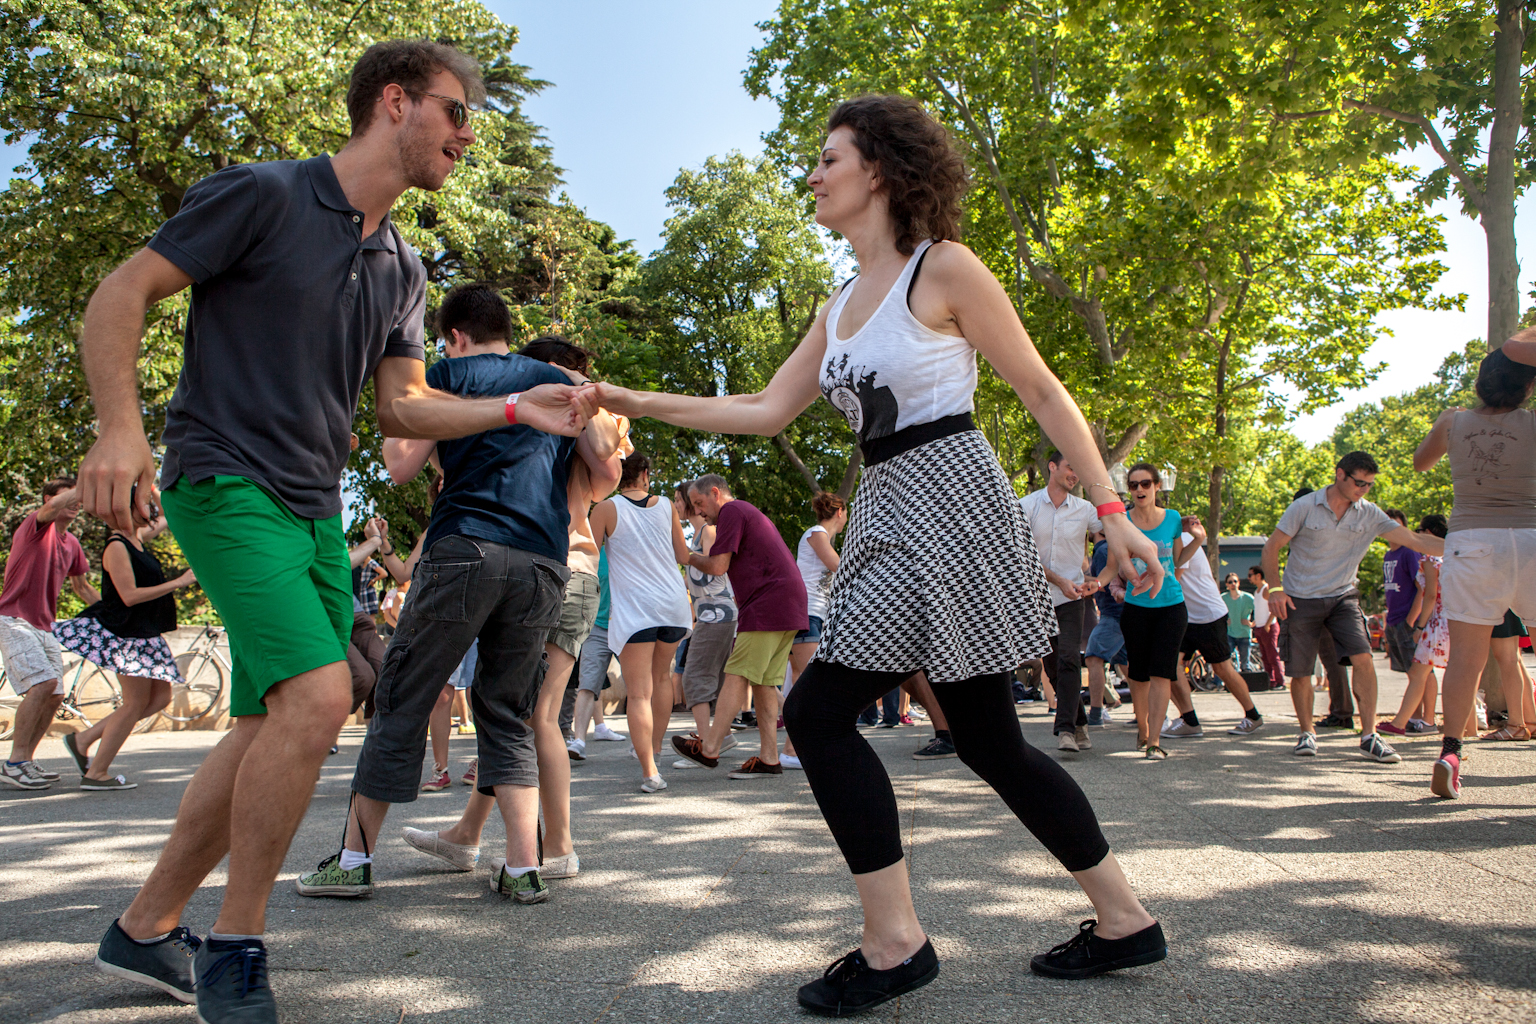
x,y
292,309
1325,552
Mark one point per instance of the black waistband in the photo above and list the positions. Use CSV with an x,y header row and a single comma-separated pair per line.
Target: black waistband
x,y
879,449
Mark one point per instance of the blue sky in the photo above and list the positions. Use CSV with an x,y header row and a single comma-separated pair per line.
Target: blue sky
x,y
643,89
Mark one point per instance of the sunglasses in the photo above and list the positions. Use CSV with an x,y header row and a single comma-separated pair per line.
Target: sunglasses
x,y
1137,485
1364,485
458,113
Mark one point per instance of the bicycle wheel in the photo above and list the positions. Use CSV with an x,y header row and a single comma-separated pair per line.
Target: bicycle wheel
x,y
9,702
96,695
200,693
1201,677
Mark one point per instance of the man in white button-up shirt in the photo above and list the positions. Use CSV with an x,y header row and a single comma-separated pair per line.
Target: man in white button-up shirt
x,y
1061,523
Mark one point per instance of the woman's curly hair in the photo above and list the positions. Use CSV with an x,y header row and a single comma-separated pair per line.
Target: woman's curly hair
x,y
923,175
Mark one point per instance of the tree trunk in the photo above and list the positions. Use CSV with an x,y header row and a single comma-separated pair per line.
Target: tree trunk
x,y
851,474
1498,212
1213,523
796,461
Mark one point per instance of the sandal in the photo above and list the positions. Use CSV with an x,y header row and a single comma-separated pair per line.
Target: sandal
x,y
1508,733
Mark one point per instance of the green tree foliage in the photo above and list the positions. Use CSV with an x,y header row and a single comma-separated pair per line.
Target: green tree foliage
x,y
735,285
124,104
1175,288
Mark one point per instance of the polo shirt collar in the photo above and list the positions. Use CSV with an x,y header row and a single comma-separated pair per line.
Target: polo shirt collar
x,y
322,176
1322,499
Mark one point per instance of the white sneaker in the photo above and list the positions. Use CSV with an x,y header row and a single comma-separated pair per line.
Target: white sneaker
x,y
1081,735
683,764
1482,715
560,867
789,761
456,855
15,775
1246,726
577,745
600,731
1306,745
1177,727
654,784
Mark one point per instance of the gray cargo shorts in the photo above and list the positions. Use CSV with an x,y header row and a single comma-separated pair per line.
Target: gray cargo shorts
x,y
464,588
1309,617
708,649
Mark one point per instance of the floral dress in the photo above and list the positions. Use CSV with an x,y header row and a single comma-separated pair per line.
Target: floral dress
x,y
1435,641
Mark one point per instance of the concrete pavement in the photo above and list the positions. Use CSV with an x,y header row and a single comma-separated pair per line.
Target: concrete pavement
x,y
1290,890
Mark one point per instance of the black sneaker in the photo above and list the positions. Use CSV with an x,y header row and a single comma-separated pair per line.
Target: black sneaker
x,y
232,983
851,986
1337,722
165,965
938,747
1086,955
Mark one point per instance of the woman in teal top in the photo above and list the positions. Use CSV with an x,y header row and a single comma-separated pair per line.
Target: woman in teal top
x,y
1153,625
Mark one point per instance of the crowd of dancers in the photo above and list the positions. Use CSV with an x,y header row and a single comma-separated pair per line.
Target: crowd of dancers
x,y
303,290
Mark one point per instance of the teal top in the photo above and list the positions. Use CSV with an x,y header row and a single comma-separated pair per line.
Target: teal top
x,y
1238,609
601,622
1163,535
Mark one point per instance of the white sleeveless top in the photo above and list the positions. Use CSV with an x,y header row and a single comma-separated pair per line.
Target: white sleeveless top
x,y
645,585
814,572
895,372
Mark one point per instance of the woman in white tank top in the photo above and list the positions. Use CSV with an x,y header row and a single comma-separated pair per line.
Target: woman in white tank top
x,y
938,572
648,604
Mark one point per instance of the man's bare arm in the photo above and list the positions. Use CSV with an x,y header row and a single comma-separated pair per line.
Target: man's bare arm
x,y
1522,347
83,589
408,408
55,506
110,338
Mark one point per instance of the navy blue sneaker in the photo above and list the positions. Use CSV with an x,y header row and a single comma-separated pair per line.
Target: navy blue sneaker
x,y
232,983
165,965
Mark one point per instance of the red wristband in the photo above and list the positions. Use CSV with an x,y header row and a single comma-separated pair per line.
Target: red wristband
x,y
1110,508
511,408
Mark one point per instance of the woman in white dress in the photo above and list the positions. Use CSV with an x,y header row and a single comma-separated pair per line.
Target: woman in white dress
x,y
648,611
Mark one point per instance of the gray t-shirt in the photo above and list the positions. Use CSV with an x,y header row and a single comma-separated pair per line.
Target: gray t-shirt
x,y
292,309
1325,552
1493,469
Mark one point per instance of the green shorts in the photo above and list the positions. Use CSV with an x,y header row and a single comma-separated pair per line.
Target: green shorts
x,y
760,656
281,583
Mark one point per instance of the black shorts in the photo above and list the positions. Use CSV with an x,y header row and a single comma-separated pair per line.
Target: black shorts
x,y
1210,639
1153,637
659,635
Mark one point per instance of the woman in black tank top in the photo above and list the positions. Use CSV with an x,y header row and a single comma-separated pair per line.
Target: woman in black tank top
x,y
122,634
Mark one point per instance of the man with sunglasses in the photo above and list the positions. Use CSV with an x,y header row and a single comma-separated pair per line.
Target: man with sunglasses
x,y
1329,532
302,290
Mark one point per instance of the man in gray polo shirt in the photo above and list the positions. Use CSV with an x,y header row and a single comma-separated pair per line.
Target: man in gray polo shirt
x,y
302,289
1328,532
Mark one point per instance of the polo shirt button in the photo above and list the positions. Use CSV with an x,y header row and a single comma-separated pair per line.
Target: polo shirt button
x,y
354,277
355,218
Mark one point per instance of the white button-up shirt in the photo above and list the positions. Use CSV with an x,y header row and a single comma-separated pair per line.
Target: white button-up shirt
x,y
1061,534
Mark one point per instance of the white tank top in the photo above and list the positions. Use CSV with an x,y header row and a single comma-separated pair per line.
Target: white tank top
x,y
814,572
645,585
895,372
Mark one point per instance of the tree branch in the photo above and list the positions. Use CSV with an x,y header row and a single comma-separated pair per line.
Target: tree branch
x,y
796,461
851,474
1474,193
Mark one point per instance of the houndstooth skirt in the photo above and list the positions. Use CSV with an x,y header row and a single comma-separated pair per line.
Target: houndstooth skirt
x,y
145,657
939,570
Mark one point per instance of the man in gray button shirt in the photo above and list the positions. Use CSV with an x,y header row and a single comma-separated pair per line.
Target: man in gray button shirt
x,y
302,290
1329,532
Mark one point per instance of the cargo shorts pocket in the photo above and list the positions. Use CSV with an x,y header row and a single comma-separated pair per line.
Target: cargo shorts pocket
x,y
441,589
548,596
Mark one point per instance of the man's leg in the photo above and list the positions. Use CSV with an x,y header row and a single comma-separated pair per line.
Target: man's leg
x,y
1067,647
766,699
38,706
1180,693
1236,685
1301,701
554,762
1364,677
519,806
733,694
1095,682
586,700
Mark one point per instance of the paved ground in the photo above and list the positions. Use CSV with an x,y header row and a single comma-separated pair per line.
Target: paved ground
x,y
1329,890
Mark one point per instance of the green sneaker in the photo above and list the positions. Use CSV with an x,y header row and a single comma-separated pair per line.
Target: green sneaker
x,y
328,879
527,887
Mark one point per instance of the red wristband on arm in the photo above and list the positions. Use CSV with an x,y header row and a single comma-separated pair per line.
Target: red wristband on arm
x,y
1109,509
511,409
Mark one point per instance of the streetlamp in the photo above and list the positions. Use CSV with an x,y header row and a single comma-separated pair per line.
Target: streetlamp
x,y
1118,477
1170,476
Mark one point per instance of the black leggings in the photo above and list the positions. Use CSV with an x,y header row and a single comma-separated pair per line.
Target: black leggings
x,y
855,793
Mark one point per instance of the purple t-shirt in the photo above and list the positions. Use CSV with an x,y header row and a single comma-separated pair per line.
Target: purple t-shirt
x,y
770,595
1398,569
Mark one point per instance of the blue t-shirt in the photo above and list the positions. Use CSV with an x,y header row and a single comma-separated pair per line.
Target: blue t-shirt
x,y
1108,606
1163,535
506,485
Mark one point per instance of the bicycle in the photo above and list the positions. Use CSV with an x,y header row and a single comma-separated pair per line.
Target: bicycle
x,y
1200,675
92,696
204,674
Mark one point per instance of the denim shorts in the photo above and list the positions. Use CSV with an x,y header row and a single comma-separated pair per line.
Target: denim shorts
x,y
812,635
1107,643
464,588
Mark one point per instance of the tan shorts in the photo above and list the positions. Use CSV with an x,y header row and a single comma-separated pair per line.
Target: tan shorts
x,y
1488,572
761,656
32,655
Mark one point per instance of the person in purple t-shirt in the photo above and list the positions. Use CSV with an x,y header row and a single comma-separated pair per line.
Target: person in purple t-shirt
x,y
771,609
1399,568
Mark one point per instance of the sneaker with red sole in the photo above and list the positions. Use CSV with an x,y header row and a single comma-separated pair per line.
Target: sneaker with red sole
x,y
757,768
1446,779
437,783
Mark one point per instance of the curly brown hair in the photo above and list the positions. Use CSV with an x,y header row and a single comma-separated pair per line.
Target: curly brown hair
x,y
825,505
923,174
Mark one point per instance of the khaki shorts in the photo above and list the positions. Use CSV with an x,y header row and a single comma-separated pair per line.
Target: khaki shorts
x,y
1488,572
761,656
578,611
32,656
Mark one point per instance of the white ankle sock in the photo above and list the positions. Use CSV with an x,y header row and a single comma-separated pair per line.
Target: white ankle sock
x,y
220,937
352,859
514,872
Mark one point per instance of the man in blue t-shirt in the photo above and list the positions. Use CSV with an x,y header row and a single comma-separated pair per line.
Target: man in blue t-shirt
x,y
493,569
1106,644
